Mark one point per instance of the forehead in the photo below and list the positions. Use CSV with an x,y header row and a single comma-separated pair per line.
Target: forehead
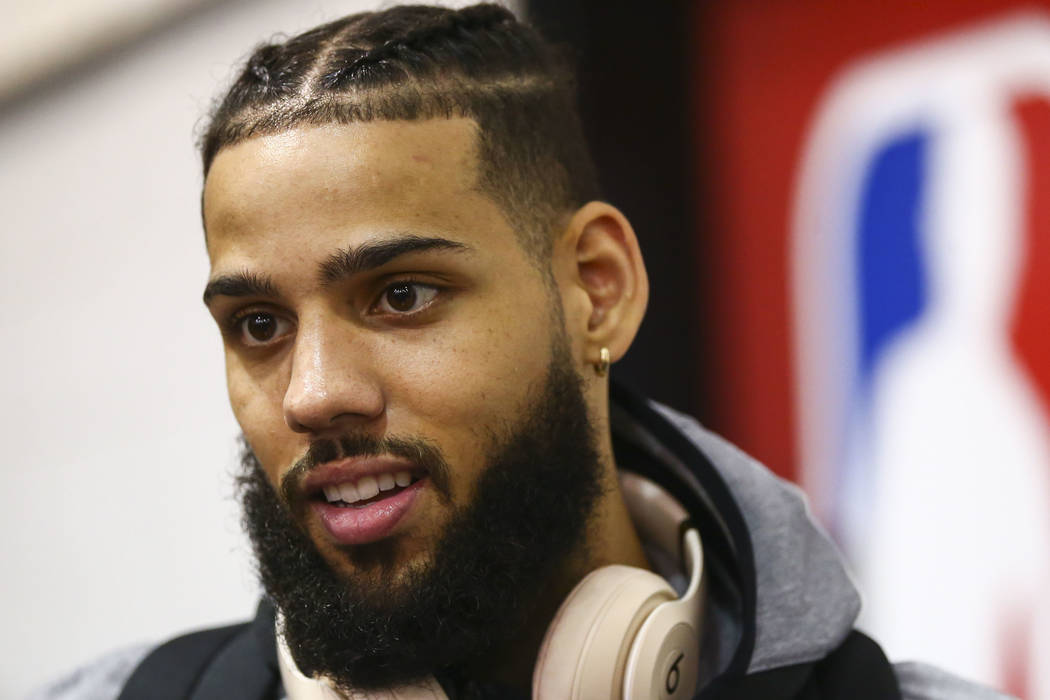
x,y
317,180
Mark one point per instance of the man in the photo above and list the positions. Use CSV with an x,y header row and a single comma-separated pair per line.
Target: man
x,y
420,295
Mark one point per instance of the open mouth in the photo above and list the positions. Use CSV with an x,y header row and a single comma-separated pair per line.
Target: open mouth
x,y
367,506
367,489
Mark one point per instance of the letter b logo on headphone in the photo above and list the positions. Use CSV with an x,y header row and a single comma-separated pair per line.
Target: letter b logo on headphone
x,y
674,675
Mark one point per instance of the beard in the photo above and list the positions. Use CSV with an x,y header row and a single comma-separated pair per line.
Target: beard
x,y
528,517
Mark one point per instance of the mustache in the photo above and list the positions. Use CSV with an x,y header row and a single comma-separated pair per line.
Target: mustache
x,y
420,452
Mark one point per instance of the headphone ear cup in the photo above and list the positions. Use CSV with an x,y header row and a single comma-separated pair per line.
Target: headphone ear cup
x,y
585,650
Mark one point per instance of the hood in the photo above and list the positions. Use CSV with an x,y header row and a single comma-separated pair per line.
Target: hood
x,y
779,592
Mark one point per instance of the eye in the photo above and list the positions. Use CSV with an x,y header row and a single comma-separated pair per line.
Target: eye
x,y
405,298
257,328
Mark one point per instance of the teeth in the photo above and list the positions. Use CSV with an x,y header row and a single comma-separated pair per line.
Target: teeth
x,y
367,487
349,493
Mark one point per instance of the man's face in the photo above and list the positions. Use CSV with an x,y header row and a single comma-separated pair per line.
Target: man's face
x,y
366,288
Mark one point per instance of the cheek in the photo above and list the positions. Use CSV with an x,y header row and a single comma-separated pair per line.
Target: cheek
x,y
258,413
473,379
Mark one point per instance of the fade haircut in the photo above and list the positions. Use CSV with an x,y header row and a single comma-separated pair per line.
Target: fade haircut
x,y
414,63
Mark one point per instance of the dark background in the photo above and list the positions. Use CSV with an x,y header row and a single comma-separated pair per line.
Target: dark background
x,y
634,99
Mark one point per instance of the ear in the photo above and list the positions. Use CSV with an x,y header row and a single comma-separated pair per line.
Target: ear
x,y
602,278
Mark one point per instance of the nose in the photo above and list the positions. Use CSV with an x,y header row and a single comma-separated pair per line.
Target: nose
x,y
331,383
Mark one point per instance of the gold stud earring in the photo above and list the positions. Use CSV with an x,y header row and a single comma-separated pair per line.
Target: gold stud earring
x,y
601,367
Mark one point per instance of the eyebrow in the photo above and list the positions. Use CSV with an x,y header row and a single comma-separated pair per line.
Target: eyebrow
x,y
337,266
240,284
369,256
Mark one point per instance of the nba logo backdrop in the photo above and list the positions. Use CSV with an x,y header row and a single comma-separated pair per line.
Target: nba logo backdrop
x,y
889,246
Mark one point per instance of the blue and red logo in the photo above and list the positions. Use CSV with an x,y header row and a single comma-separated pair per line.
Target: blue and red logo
x,y
920,276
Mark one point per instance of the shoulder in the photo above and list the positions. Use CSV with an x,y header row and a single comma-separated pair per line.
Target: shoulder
x,y
923,682
101,679
210,658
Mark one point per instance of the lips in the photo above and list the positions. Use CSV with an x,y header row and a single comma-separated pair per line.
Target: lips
x,y
360,501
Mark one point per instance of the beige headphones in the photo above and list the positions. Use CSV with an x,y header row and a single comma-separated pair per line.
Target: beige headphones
x,y
622,633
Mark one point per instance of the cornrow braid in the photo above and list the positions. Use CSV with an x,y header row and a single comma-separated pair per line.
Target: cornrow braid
x,y
418,62
463,26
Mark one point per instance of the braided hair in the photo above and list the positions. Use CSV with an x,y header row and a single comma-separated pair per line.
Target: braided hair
x,y
416,62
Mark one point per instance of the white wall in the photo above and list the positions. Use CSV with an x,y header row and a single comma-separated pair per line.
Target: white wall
x,y
117,511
